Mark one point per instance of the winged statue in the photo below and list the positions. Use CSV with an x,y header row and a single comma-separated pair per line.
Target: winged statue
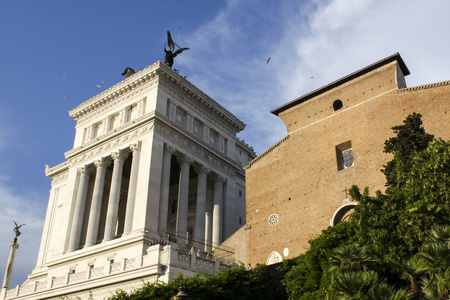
x,y
171,53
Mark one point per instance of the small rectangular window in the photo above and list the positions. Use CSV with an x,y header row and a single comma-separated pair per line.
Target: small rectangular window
x,y
344,155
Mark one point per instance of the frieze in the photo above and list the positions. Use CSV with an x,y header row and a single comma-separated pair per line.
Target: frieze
x,y
111,144
112,132
116,102
60,178
198,151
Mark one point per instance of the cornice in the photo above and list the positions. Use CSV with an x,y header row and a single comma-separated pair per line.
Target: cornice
x,y
205,103
112,103
424,87
114,92
266,152
136,80
50,172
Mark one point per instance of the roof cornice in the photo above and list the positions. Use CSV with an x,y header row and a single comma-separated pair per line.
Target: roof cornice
x,y
116,91
143,76
369,68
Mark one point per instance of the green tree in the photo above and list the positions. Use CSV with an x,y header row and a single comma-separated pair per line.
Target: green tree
x,y
235,283
427,192
411,139
305,275
435,256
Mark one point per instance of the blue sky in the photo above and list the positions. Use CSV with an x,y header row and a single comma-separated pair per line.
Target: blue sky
x,y
55,53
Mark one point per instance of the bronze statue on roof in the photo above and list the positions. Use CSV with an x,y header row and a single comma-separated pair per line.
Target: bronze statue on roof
x,y
128,72
171,53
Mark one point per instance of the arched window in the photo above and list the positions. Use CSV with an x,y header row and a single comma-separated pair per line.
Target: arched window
x,y
343,212
274,258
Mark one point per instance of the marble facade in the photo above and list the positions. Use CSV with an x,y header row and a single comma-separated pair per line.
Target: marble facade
x,y
152,187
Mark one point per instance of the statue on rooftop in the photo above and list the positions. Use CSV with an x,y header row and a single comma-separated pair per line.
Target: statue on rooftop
x,y
128,72
171,53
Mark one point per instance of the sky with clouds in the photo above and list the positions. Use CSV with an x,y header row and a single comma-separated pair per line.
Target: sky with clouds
x,y
56,54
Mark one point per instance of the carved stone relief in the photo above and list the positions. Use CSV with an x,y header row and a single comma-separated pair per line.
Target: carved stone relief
x,y
113,143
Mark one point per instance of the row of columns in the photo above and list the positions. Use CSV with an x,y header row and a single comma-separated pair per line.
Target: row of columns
x,y
201,220
207,228
97,197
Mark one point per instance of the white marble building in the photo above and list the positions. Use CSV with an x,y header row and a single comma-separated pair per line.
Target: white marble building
x,y
153,185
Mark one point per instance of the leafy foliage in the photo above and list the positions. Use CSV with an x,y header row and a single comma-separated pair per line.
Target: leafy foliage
x,y
236,283
304,279
411,139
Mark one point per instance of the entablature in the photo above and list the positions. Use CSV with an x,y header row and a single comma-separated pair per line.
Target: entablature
x,y
115,137
160,70
198,148
116,91
205,103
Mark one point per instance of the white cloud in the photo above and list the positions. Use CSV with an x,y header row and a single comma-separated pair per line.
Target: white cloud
x,y
22,208
310,44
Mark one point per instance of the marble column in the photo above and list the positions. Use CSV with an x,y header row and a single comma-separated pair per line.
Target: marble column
x,y
136,149
183,198
208,223
114,196
9,266
201,206
217,211
96,204
77,219
165,186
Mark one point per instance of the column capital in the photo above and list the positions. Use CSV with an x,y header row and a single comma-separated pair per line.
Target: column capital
x,y
201,169
119,155
184,159
85,170
168,149
135,147
219,179
102,162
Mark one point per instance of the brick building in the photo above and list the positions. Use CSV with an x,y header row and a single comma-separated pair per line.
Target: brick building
x,y
335,138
